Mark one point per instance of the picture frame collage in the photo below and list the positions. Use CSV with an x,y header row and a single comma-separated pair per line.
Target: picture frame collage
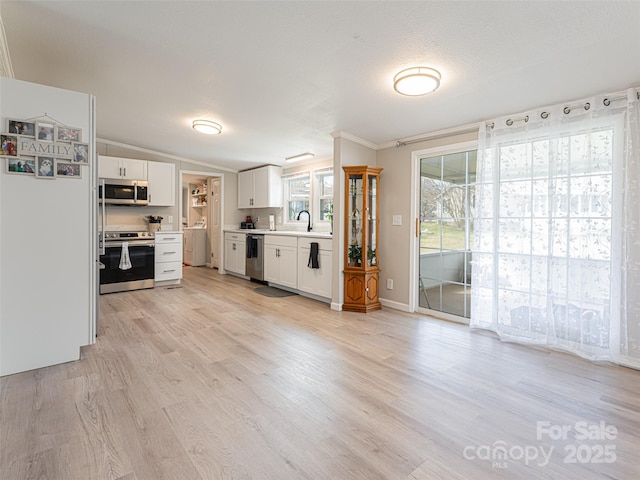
x,y
46,166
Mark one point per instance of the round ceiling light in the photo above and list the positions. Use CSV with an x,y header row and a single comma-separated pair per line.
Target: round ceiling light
x,y
416,81
207,127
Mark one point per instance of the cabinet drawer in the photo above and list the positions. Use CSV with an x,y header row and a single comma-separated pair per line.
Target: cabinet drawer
x,y
168,238
235,236
168,271
281,240
168,252
323,243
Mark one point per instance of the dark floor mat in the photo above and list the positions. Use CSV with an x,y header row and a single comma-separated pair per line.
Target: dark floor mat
x,y
273,292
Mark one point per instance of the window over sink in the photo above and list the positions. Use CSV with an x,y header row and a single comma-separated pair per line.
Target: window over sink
x,y
310,190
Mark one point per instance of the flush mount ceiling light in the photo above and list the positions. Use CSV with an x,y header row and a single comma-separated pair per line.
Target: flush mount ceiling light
x,y
297,158
416,81
207,127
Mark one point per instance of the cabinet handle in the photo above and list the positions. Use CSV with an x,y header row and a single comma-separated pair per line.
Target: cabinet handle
x,y
168,271
125,171
169,253
234,246
169,238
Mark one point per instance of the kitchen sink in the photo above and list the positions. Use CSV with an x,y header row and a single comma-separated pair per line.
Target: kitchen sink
x,y
296,233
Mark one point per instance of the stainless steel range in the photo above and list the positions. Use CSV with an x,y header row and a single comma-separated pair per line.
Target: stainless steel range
x,y
129,261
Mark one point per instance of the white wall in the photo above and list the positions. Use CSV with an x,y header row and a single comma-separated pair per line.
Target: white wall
x,y
347,151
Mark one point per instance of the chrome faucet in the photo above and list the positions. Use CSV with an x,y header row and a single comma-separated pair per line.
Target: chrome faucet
x,y
308,215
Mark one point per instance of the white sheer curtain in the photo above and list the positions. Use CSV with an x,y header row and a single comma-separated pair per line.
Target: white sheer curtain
x,y
556,256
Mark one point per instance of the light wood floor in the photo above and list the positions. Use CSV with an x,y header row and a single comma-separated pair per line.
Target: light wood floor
x,y
212,381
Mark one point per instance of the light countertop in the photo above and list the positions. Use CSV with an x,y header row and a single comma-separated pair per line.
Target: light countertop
x,y
287,233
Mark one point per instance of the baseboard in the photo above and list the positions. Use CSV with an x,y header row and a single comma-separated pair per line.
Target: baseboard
x,y
403,307
336,306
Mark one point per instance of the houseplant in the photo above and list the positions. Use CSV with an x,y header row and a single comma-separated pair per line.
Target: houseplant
x,y
355,254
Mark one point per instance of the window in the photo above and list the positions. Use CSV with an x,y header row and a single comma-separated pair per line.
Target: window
x,y
323,195
311,191
297,193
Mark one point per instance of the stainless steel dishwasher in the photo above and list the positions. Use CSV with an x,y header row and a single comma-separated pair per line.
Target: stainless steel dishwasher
x,y
254,263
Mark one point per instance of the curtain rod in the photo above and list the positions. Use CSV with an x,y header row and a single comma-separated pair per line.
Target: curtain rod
x,y
440,134
567,110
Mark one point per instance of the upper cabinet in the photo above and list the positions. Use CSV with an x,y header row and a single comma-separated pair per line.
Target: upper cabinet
x,y
160,175
260,187
162,184
125,168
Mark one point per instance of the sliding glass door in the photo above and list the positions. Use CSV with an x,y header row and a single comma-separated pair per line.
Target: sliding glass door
x,y
446,229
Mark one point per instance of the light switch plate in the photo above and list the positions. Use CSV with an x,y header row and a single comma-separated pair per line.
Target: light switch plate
x,y
397,220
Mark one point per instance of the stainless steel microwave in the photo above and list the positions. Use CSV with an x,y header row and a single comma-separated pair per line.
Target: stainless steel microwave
x,y
123,192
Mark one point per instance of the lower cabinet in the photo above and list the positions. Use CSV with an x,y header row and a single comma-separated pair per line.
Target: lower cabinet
x,y
316,281
281,260
168,258
361,291
235,249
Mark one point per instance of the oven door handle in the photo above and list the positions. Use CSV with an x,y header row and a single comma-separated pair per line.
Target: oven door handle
x,y
104,212
131,244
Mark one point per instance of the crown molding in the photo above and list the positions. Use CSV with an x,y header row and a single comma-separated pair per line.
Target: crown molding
x,y
353,138
6,69
448,132
164,155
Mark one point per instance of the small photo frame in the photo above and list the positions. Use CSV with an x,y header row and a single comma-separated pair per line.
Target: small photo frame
x,y
68,134
45,131
45,167
22,166
20,127
80,153
67,169
9,145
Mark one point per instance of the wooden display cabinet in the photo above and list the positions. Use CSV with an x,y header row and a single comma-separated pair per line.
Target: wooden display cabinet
x,y
362,267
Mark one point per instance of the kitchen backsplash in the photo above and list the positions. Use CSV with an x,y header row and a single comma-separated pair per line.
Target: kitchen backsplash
x,y
136,217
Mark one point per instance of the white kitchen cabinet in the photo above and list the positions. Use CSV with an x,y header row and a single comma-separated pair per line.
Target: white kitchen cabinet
x,y
260,187
316,281
281,260
168,258
195,247
162,184
235,248
245,189
124,168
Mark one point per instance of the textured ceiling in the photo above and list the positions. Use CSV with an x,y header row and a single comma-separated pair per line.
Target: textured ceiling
x,y
282,76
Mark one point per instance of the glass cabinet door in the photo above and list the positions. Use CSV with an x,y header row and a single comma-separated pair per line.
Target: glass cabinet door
x,y
372,215
355,215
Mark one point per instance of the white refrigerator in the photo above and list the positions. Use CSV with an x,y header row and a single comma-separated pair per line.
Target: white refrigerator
x,y
48,240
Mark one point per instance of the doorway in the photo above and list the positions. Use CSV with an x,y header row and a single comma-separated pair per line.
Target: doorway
x,y
201,207
445,233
